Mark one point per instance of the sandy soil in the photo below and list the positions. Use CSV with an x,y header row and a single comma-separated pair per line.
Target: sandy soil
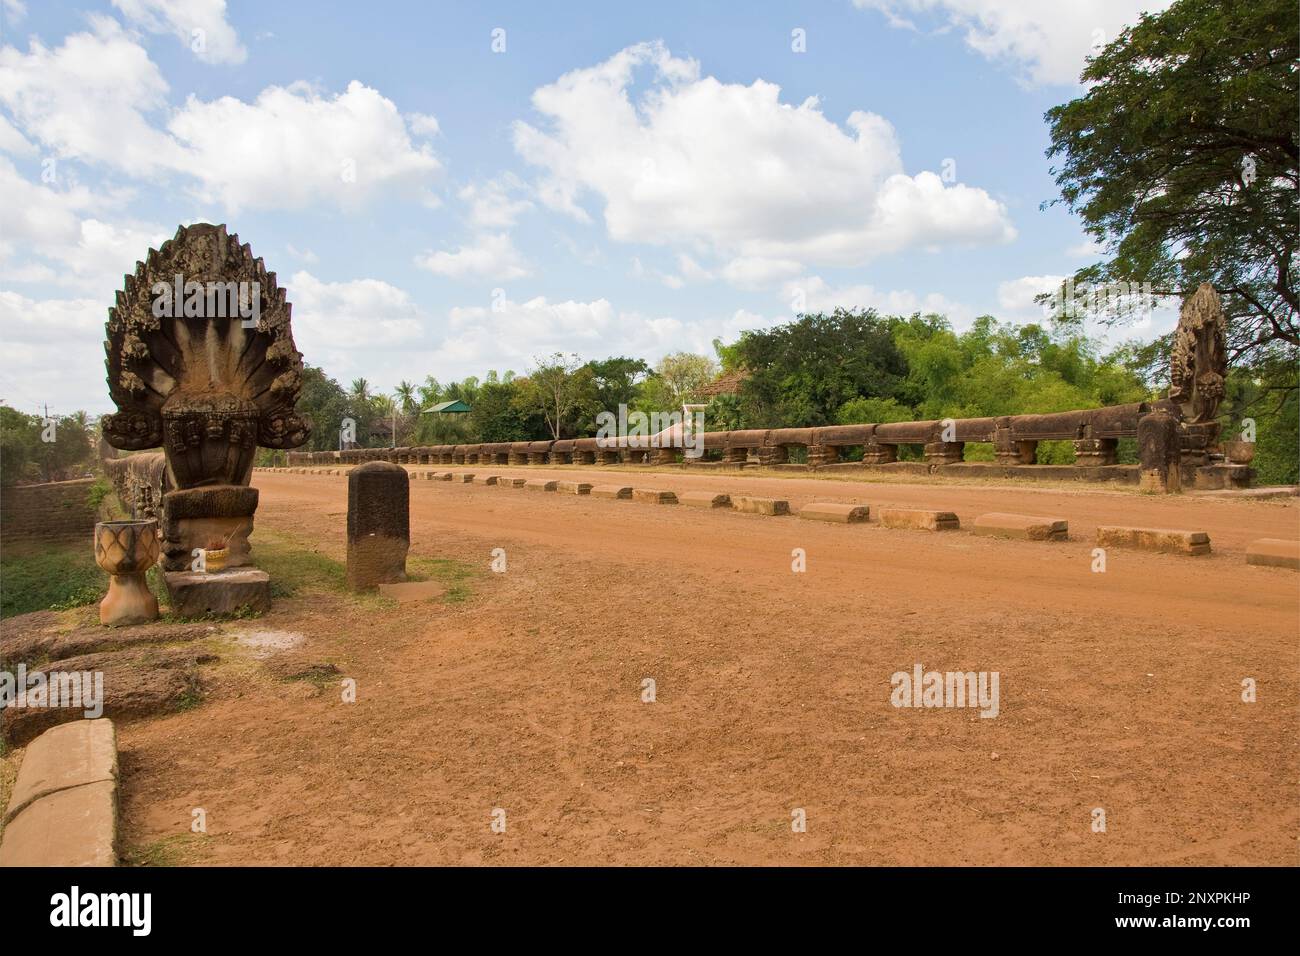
x,y
1120,690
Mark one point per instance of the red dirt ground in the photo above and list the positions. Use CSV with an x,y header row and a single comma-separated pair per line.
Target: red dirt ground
x,y
1119,690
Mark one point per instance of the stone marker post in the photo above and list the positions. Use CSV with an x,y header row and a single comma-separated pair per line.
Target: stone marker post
x,y
1157,438
379,524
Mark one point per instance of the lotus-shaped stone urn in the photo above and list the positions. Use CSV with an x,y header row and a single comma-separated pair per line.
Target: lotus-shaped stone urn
x,y
126,550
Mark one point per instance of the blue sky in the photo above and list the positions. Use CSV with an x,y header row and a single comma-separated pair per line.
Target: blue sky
x,y
616,180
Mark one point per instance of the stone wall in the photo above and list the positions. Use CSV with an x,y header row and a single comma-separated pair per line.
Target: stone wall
x,y
56,510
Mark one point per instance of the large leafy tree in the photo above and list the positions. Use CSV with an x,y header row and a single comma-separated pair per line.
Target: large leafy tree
x,y
801,373
1181,160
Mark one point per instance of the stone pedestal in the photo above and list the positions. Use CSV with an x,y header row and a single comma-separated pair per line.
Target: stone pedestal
x,y
379,524
944,452
202,594
823,455
1224,475
876,453
736,456
773,455
662,456
1094,452
205,517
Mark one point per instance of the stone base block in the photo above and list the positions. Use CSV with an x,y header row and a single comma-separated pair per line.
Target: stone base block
x,y
1223,476
196,594
760,506
573,487
505,481
704,499
917,519
462,477
835,512
1274,553
611,491
654,496
1024,527
70,755
1154,539
76,827
540,484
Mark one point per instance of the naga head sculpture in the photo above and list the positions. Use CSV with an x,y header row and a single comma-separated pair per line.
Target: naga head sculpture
x,y
1199,364
201,359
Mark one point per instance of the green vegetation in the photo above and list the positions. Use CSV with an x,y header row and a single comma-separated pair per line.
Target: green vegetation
x,y
34,449
40,576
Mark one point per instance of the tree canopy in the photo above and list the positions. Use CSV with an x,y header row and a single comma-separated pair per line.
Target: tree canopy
x,y
1181,160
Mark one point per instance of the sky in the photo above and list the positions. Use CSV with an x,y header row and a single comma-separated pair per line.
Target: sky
x,y
446,189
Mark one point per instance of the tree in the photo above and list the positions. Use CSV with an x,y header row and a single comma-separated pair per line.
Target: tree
x,y
678,378
32,450
1181,159
802,372
557,387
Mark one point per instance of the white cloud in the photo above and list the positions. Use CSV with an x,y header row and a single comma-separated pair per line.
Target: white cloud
x,y
514,333
293,147
357,314
200,24
811,294
89,99
12,141
492,255
490,202
1048,41
302,255
63,227
1016,297
54,353
731,169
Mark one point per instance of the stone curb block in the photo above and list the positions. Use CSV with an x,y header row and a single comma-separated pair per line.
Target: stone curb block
x,y
611,491
833,511
1024,527
654,496
540,484
506,482
63,811
462,476
1164,540
1274,553
704,499
573,488
491,479
748,504
918,519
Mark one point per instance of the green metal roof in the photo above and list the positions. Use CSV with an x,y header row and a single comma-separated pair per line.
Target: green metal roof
x,y
454,406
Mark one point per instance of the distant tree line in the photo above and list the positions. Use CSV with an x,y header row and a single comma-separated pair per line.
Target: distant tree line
x,y
845,367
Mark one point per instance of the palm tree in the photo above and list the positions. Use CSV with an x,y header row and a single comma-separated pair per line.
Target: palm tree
x,y
406,395
360,390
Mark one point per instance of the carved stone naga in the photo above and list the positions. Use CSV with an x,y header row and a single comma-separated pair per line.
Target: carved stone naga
x,y
1199,364
201,361
208,389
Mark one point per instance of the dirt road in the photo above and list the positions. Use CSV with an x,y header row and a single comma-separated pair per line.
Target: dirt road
x,y
1119,692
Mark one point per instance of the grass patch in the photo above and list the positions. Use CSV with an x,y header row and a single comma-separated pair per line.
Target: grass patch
x,y
174,850
458,576
44,576
295,566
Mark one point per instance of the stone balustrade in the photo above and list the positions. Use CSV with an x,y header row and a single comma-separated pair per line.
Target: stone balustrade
x,y
1095,433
